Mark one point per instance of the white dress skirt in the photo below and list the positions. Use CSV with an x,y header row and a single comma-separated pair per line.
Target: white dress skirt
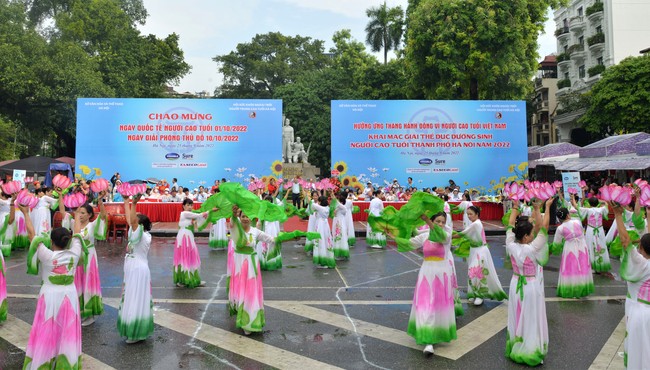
x,y
635,269
218,235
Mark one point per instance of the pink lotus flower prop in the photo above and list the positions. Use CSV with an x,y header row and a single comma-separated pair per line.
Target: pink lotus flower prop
x,y
26,199
99,185
74,200
615,193
288,185
582,183
542,190
124,189
557,184
572,191
640,183
61,181
138,189
514,191
12,187
644,197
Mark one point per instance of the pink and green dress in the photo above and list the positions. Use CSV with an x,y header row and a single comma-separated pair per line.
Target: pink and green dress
x,y
245,290
527,335
55,336
40,215
323,248
349,222
635,269
135,317
6,229
21,239
432,318
575,278
375,239
269,258
340,231
86,277
595,237
483,281
311,225
187,262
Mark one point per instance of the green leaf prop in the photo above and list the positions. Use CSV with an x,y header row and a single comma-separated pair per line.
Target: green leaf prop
x,y
401,223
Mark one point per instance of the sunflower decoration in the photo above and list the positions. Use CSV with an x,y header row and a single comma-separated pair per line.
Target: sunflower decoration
x,y
78,176
357,185
342,167
84,169
276,168
354,179
522,166
98,172
346,181
511,168
267,179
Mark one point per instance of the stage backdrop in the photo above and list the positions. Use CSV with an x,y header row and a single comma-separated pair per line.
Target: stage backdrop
x,y
478,144
194,140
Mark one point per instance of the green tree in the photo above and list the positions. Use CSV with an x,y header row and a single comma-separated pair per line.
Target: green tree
x,y
385,28
473,49
40,10
620,101
257,68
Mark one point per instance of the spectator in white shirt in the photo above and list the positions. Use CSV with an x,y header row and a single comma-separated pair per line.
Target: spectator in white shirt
x,y
455,196
295,191
367,192
166,197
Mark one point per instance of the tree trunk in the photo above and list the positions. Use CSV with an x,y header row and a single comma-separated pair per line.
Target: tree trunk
x,y
473,89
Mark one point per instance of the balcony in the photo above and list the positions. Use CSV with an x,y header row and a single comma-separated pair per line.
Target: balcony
x,y
563,60
595,12
542,105
596,42
577,24
562,34
577,52
596,70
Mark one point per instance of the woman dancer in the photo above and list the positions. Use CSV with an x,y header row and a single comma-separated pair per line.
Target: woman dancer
x,y
311,223
349,222
3,280
594,234
432,317
375,239
527,335
218,239
135,317
40,215
21,238
635,269
6,222
575,278
55,336
340,229
272,228
187,261
323,254
483,281
246,295
464,206
86,277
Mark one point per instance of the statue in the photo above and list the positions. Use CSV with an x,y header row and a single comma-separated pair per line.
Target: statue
x,y
287,140
298,153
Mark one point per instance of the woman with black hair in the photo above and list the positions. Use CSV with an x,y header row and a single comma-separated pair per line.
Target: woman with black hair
x,y
373,238
187,261
526,244
575,278
464,206
55,336
340,228
311,223
594,233
87,276
40,215
635,269
483,281
323,254
135,316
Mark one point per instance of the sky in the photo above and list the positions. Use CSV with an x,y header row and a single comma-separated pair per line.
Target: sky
x,y
208,28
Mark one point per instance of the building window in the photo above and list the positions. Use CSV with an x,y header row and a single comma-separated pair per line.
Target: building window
x,y
566,48
581,40
581,71
599,61
599,29
566,75
565,22
580,12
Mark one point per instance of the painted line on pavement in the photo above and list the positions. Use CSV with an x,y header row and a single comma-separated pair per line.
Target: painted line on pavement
x,y
16,332
235,343
342,277
608,358
470,336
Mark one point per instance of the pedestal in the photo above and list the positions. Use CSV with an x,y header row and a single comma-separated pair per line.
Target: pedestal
x,y
306,171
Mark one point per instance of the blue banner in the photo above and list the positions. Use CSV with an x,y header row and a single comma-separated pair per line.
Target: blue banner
x,y
194,140
477,144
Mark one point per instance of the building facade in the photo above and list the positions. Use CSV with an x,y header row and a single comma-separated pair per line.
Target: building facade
x,y
591,36
542,128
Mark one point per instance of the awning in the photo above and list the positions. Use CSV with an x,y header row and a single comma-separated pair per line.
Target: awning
x,y
633,163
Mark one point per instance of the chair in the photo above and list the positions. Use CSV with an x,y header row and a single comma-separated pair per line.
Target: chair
x,y
118,228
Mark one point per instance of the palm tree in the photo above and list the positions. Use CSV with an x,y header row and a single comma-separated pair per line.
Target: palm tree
x,y
385,28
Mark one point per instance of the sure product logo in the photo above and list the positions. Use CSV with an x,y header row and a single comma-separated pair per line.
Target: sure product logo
x,y
172,156
425,161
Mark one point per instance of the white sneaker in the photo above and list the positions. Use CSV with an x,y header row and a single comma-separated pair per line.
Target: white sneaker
x,y
478,301
246,332
471,300
202,283
88,321
180,285
131,341
428,350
